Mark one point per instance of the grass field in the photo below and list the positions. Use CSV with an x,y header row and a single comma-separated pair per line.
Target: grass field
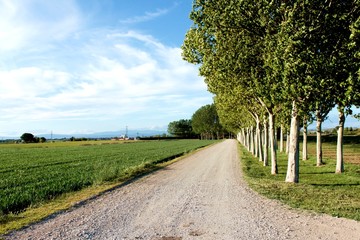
x,y
319,190
351,151
34,173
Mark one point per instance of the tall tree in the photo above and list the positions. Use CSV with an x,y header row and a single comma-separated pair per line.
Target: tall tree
x,y
275,53
181,128
314,33
345,67
227,39
205,121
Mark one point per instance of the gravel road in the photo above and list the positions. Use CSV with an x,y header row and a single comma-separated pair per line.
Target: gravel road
x,y
200,197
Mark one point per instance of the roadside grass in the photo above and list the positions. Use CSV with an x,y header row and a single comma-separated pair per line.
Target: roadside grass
x,y
101,167
320,189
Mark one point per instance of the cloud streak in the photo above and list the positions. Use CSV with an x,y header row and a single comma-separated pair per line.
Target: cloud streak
x,y
146,17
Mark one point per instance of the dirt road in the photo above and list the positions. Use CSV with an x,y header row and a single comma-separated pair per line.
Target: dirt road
x,y
200,197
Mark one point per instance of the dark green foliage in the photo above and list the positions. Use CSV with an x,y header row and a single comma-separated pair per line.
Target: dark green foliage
x,y
28,138
181,128
205,121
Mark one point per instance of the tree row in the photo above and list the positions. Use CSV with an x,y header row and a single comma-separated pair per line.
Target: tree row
x,y
204,124
278,63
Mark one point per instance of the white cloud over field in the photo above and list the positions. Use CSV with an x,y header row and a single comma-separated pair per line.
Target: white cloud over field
x,y
55,70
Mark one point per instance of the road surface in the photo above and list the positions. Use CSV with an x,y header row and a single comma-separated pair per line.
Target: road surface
x,y
200,197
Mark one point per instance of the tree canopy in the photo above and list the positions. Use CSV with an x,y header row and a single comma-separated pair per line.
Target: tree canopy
x,y
27,137
30,138
282,60
205,122
181,128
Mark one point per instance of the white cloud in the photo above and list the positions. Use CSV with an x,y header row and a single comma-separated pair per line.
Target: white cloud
x,y
21,28
58,72
24,83
126,74
146,17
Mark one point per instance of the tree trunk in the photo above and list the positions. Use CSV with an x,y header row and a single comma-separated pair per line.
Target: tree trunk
x,y
339,148
259,139
281,138
253,139
274,168
240,137
256,137
275,138
319,160
287,142
292,174
244,136
305,147
248,138
266,143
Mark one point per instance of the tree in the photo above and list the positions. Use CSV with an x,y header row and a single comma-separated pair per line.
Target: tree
x,y
347,77
206,122
227,40
315,37
289,56
181,128
27,138
306,120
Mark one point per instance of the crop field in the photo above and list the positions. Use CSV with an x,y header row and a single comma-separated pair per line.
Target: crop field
x,y
33,173
351,151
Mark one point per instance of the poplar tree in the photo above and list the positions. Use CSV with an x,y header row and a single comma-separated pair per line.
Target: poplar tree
x,y
227,39
303,54
316,59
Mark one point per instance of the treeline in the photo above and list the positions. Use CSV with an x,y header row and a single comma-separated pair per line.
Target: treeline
x,y
278,64
30,138
204,124
349,139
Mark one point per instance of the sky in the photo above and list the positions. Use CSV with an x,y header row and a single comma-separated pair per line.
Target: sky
x,y
85,66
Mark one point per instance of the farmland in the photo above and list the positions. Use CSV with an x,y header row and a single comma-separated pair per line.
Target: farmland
x,y
33,173
351,151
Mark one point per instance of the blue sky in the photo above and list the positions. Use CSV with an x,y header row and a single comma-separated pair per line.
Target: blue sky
x,y
89,66
84,66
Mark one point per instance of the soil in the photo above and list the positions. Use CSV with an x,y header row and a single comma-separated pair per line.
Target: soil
x,y
202,196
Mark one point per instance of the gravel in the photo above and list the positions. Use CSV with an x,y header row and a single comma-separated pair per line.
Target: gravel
x,y
200,197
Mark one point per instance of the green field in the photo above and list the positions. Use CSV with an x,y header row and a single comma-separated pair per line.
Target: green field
x,y
319,190
33,173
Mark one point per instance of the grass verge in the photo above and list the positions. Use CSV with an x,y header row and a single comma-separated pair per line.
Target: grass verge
x,y
320,189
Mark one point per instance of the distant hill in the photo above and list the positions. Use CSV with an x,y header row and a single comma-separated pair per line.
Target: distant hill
x,y
109,134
